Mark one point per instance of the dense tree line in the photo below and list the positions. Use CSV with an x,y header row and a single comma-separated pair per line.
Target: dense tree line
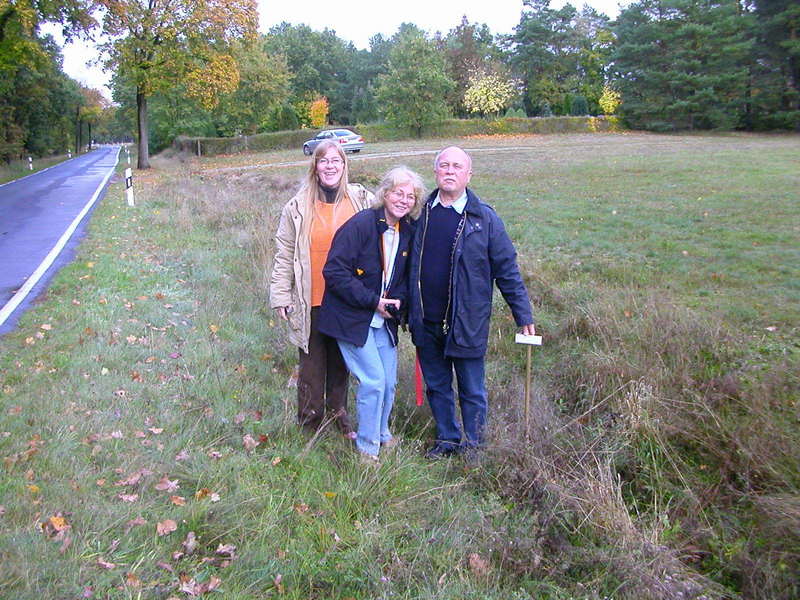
x,y
675,64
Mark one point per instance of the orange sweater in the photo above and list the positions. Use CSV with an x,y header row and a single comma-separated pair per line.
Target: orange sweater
x,y
327,220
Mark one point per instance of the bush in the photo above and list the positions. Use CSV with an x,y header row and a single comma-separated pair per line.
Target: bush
x,y
384,132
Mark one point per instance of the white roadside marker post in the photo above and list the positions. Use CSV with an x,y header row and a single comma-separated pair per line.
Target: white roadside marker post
x,y
69,153
30,164
129,186
529,340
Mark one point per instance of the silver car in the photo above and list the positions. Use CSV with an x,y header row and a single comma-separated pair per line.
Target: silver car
x,y
349,141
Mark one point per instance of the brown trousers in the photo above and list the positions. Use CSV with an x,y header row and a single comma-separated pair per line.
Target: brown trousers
x,y
322,382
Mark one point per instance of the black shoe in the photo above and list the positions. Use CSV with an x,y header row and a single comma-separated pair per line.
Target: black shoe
x,y
439,450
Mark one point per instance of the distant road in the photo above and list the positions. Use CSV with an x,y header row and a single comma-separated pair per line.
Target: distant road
x,y
41,220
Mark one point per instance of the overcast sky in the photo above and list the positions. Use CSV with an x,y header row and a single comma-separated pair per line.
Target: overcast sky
x,y
355,21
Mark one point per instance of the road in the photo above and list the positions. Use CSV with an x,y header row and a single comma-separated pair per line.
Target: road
x,y
42,218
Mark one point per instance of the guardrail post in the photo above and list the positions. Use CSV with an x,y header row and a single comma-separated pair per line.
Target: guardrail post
x,y
129,186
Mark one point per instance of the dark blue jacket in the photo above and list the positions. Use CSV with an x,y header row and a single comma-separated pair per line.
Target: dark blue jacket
x,y
483,256
353,275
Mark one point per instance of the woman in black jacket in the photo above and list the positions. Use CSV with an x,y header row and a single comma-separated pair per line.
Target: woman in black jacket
x,y
366,278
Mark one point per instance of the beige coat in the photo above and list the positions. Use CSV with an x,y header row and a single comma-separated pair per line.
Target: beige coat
x,y
290,282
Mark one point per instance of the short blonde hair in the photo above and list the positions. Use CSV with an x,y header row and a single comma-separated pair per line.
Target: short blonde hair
x,y
399,176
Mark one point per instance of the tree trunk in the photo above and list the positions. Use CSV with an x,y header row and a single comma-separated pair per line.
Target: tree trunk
x,y
141,114
89,124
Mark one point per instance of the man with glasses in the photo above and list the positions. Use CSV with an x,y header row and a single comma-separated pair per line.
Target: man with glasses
x,y
461,249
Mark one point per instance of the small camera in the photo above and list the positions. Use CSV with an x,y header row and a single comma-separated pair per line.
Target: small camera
x,y
392,310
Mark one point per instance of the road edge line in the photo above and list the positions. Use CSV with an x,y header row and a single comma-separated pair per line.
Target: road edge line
x,y
23,292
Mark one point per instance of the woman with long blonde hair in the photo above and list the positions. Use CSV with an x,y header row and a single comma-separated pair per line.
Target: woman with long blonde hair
x,y
307,225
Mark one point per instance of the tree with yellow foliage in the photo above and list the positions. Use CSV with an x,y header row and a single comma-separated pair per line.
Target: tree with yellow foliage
x,y
155,44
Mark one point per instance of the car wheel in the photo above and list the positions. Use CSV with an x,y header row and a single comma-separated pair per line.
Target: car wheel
x,y
306,150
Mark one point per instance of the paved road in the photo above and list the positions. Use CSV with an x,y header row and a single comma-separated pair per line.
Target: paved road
x,y
42,217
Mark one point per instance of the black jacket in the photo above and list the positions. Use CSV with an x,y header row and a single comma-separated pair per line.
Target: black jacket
x,y
353,274
483,256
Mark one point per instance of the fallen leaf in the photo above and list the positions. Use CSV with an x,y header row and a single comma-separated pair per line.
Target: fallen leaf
x,y
46,326
213,328
166,527
276,461
134,523
166,566
131,580
249,442
105,564
479,566
156,430
167,485
189,545
301,508
128,497
178,500
228,550
214,454
182,455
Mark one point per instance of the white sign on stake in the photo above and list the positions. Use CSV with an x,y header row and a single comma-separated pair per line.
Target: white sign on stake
x,y
129,186
30,164
529,340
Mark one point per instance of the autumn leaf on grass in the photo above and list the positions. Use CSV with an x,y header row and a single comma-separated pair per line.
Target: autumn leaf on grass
x,y
203,493
250,442
134,523
131,580
227,550
167,485
166,527
182,455
178,500
56,528
128,497
191,587
105,564
479,566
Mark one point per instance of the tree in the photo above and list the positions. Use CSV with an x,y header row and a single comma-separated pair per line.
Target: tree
x,y
156,45
560,52
610,100
412,93
318,113
680,64
489,94
321,63
774,87
264,85
470,50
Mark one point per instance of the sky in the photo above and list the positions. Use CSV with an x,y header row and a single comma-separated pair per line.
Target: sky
x,y
352,20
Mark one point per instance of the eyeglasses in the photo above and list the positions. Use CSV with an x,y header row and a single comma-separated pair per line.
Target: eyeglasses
x,y
400,195
334,162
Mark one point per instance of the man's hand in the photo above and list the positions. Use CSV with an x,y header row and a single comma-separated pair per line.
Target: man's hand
x,y
528,329
383,303
283,312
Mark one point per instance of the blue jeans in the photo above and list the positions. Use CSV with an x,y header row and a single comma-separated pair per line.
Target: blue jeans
x,y
437,370
375,366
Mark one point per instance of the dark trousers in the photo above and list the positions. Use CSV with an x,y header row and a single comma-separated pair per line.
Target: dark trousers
x,y
437,370
322,382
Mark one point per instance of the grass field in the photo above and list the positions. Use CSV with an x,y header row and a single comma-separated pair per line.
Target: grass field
x,y
147,434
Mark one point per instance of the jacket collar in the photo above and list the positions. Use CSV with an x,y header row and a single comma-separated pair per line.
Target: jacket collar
x,y
471,205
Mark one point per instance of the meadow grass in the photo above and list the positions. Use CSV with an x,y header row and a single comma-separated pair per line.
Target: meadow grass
x,y
148,392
